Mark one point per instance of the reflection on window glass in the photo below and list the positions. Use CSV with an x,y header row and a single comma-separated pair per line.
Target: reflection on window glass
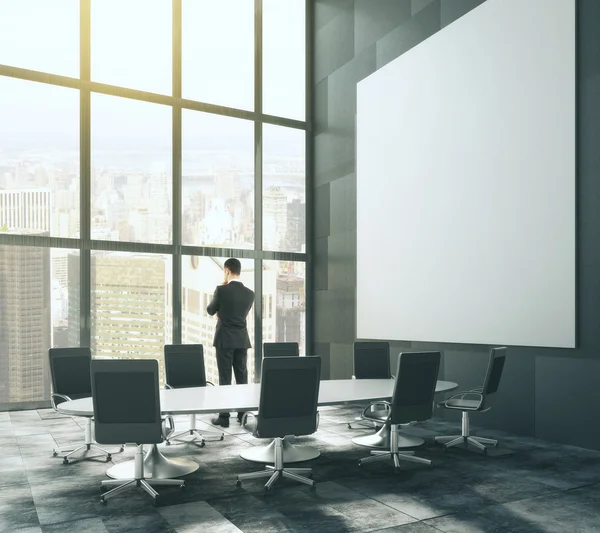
x,y
131,170
217,57
284,58
40,35
200,277
37,302
39,158
218,180
284,307
131,44
284,189
129,305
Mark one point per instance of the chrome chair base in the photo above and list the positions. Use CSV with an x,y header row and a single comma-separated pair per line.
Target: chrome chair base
x,y
138,481
88,445
277,470
465,437
195,434
394,452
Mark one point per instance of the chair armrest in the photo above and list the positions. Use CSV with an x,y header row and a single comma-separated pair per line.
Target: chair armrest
x,y
210,383
167,386
168,426
56,395
462,396
387,407
353,376
245,419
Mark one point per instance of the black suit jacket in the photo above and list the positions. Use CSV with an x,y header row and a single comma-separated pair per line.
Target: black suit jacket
x,y
233,303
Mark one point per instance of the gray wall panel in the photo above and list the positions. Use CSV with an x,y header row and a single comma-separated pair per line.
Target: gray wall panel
x,y
567,403
528,399
334,42
454,9
422,25
375,18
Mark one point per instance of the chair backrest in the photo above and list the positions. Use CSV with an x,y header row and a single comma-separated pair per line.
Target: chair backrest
x,y
414,388
184,365
126,401
372,360
289,392
493,375
280,349
70,372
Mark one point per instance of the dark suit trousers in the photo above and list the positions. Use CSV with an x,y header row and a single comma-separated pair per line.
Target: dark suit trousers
x,y
228,359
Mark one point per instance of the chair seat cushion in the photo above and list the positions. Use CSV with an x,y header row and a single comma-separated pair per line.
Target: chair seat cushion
x,y
462,404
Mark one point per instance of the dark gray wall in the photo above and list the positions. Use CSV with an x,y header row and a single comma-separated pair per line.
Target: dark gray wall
x,y
552,394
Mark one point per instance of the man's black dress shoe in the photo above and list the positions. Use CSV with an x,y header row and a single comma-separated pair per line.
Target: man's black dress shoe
x,y
219,421
239,419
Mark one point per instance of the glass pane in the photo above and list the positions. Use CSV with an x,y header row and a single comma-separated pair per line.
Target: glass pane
x,y
34,315
131,43
218,52
218,180
284,302
130,305
131,170
284,189
284,58
39,158
200,277
40,35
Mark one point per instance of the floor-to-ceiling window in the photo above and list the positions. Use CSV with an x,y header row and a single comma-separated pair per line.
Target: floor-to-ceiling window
x,y
142,143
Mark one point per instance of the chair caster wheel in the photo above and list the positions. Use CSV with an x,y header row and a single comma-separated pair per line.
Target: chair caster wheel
x,y
202,444
267,489
222,436
310,476
359,464
108,458
121,449
54,454
349,426
485,452
65,461
182,487
168,443
156,502
102,500
238,483
313,487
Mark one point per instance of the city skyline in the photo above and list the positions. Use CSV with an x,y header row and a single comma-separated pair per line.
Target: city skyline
x,y
120,139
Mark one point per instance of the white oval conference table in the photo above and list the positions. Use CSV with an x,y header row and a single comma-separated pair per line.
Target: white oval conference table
x,y
205,400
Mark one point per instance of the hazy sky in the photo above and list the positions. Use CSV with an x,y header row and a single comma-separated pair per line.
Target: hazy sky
x,y
131,47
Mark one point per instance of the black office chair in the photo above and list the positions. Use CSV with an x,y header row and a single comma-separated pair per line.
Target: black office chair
x,y
289,392
184,367
126,400
280,349
371,361
414,390
70,376
479,399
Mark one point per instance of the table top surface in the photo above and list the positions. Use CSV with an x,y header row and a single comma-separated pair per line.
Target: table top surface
x,y
202,400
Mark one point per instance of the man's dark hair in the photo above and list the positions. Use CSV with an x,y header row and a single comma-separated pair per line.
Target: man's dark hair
x,y
234,266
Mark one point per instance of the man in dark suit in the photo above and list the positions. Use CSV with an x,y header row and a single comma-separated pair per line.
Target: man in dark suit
x,y
231,303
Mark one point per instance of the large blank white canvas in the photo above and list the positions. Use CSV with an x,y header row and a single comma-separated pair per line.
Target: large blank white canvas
x,y
466,182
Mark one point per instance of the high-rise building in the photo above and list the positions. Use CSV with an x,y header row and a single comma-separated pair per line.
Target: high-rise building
x,y
25,304
29,209
275,218
296,226
291,308
128,304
